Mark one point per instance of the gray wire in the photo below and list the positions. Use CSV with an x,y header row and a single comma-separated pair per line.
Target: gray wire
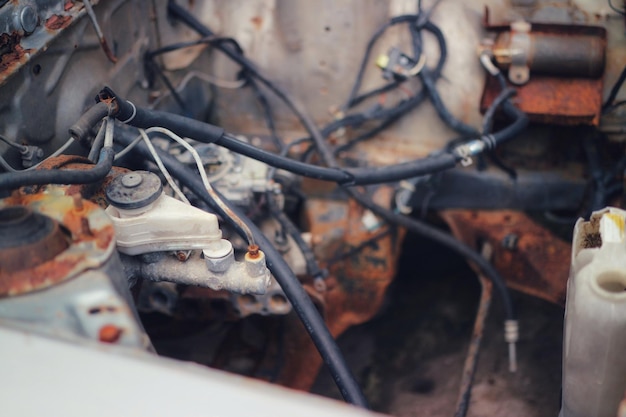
x,y
162,168
97,143
209,188
56,153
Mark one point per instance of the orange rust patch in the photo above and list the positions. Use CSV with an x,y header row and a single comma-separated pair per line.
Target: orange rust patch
x,y
12,52
109,333
57,22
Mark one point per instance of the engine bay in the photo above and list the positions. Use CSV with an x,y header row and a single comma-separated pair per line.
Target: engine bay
x,y
414,207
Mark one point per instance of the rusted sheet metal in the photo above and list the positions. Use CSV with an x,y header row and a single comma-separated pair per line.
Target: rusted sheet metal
x,y
58,22
355,287
563,101
92,242
23,39
567,98
529,257
12,54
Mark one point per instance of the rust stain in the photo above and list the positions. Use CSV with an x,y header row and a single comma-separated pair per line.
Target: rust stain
x,y
58,22
355,287
50,270
110,333
64,160
257,21
529,267
563,101
11,52
253,252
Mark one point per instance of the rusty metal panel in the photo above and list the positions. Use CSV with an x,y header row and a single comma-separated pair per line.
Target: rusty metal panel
x,y
571,97
530,258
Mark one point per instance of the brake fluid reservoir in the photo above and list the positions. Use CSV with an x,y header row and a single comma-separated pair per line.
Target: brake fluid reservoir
x,y
594,346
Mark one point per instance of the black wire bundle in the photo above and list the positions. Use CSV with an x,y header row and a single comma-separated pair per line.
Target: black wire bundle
x,y
329,159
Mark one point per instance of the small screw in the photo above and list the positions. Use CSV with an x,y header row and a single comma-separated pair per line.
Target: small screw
x,y
109,333
131,180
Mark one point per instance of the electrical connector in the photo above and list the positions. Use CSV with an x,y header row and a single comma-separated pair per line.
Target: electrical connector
x,y
396,65
31,155
511,336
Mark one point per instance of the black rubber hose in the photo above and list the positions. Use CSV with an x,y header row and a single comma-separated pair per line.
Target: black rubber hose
x,y
504,95
207,133
81,130
143,118
14,180
520,121
302,304
614,90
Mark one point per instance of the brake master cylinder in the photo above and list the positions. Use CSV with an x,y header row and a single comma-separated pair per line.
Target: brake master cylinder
x,y
594,364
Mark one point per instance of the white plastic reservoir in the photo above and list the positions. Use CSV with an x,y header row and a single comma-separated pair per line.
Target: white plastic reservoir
x,y
594,346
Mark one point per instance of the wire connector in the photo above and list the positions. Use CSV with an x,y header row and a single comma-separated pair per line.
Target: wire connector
x,y
469,149
511,336
31,155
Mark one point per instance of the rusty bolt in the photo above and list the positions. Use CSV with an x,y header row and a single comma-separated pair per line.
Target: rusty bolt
x,y
109,333
182,255
253,251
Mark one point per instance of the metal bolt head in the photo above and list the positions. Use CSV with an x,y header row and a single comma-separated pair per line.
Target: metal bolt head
x,y
29,19
510,241
132,180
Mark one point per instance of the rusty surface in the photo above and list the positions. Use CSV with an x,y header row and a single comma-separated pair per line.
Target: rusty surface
x,y
109,333
355,287
529,257
49,245
253,251
554,99
12,55
58,22
95,191
91,243
563,101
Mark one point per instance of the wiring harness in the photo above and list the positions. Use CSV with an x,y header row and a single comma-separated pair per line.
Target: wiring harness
x,y
473,142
